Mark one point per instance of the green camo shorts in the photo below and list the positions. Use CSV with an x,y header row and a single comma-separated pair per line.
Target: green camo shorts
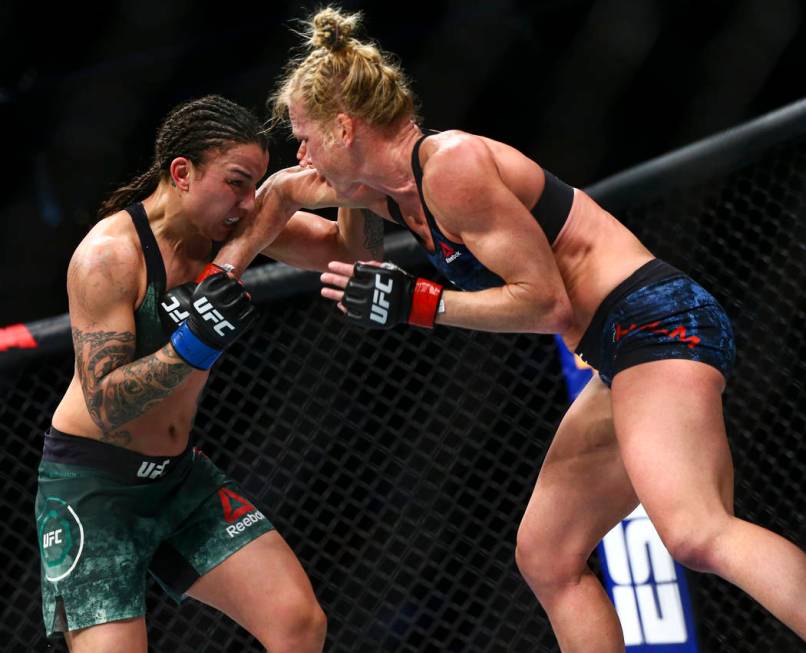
x,y
106,515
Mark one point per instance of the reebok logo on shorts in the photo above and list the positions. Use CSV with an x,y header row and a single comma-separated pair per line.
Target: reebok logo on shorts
x,y
246,522
235,507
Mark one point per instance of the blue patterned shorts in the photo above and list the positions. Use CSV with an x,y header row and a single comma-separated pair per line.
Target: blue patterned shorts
x,y
657,313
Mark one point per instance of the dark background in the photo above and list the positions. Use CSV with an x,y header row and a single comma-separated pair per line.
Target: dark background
x,y
586,87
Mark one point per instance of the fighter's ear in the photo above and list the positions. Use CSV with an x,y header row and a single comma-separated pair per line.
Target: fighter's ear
x,y
345,128
180,172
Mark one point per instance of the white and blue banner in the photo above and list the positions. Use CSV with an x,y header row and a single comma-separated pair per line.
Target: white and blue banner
x,y
645,584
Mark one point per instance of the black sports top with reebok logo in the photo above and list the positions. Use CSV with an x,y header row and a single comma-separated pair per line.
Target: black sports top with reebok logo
x,y
455,260
150,335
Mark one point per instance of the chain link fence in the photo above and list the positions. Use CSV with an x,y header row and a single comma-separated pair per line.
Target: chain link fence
x,y
397,464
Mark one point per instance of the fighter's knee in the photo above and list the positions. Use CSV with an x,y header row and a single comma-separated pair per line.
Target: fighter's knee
x,y
308,626
319,624
545,563
694,545
300,626
313,623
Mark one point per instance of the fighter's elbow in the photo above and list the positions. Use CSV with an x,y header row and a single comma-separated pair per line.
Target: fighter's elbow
x,y
340,250
560,316
550,313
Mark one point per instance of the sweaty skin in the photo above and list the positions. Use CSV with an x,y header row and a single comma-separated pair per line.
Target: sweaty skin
x,y
591,255
659,426
147,405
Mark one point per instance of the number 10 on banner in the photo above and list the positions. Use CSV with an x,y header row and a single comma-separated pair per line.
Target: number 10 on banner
x,y
647,587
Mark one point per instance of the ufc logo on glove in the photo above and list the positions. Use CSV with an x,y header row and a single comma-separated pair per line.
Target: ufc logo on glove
x,y
380,300
381,296
173,310
205,309
221,312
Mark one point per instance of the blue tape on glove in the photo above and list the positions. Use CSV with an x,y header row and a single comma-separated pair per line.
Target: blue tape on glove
x,y
192,350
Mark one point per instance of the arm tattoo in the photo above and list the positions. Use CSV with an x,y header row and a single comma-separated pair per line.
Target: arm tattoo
x,y
136,387
373,234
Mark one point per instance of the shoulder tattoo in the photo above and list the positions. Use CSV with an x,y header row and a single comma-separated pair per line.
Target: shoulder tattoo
x,y
373,233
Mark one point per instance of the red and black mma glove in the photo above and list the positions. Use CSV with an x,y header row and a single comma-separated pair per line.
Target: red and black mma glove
x,y
382,296
219,311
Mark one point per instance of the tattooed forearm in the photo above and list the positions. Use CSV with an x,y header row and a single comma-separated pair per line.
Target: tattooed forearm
x,y
143,384
373,234
117,390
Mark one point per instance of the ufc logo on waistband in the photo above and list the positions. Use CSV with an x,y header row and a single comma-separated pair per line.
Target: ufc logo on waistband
x,y
380,304
176,315
152,470
205,309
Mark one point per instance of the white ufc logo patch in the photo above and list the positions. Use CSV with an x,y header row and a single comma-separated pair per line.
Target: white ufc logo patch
x,y
380,302
54,537
173,309
205,309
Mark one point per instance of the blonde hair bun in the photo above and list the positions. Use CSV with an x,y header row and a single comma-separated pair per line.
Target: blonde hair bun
x,y
340,73
331,29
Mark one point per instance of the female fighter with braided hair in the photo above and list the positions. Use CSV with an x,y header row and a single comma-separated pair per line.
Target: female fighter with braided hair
x,y
121,493
538,256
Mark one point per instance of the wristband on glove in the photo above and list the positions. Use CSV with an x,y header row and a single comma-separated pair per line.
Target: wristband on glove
x,y
175,308
213,268
383,296
192,350
424,303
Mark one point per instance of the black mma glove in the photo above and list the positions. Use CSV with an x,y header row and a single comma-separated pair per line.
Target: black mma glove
x,y
220,311
175,306
379,297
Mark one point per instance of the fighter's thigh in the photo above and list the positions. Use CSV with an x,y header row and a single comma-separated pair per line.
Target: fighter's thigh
x,y
125,636
94,553
582,489
671,430
259,585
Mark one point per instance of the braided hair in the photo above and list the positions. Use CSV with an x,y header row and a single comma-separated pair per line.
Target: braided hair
x,y
190,130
